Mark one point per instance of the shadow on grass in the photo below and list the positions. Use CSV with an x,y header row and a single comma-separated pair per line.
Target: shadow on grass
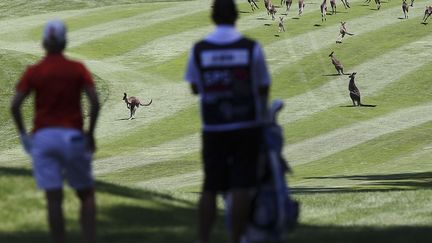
x,y
136,216
363,105
332,75
109,188
127,119
113,189
360,234
13,171
401,181
124,215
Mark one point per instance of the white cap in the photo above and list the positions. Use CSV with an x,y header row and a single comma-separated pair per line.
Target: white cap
x,y
54,29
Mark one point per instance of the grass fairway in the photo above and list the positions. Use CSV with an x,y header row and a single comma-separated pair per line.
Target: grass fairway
x,y
361,174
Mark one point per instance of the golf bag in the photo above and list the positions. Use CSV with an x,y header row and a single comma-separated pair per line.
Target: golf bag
x,y
274,213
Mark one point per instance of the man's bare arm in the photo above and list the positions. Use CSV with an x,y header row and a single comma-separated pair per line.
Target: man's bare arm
x,y
94,113
16,104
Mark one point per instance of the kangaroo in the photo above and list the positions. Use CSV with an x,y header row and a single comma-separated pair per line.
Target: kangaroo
x,y
377,2
132,103
338,65
342,32
427,13
253,4
301,6
405,7
355,92
267,5
288,5
323,9
333,6
272,12
281,24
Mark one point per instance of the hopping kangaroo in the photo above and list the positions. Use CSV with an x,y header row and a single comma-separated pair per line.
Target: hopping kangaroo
x,y
333,6
267,5
133,103
338,65
378,4
323,9
355,92
427,13
288,5
342,32
301,6
273,11
405,8
281,25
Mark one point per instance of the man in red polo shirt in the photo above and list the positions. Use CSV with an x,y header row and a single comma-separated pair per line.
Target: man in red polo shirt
x,y
59,147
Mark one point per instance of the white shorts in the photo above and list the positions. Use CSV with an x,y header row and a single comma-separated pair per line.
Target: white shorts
x,y
58,154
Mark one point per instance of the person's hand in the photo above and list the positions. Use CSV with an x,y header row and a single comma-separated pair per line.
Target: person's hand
x,y
26,142
91,142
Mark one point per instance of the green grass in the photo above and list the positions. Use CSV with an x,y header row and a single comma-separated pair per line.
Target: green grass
x,y
360,174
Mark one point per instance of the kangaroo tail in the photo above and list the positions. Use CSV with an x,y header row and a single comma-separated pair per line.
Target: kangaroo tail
x,y
147,103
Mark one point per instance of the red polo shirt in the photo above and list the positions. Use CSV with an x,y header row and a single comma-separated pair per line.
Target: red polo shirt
x,y
58,84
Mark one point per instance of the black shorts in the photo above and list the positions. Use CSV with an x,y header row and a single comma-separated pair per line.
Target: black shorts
x,y
231,159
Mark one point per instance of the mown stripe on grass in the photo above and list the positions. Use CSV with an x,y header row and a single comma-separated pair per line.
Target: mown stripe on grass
x,y
351,207
347,137
403,152
83,19
172,182
179,10
166,151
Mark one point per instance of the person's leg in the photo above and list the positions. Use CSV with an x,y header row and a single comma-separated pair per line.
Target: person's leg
x,y
240,213
206,215
215,180
48,176
55,214
77,170
244,178
88,214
